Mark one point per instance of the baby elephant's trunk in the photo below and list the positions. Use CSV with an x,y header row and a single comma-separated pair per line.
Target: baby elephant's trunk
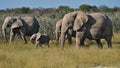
x,y
33,38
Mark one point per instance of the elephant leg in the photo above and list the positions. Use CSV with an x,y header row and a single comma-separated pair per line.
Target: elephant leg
x,y
57,36
48,45
36,44
78,40
62,40
82,42
99,43
59,40
109,42
12,35
23,37
69,39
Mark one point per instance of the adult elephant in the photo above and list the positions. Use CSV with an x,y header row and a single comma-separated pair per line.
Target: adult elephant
x,y
25,26
68,36
95,26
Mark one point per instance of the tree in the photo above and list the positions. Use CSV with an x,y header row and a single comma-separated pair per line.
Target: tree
x,y
104,8
85,7
64,8
94,8
115,9
24,9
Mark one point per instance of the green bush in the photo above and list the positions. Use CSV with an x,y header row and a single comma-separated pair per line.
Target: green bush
x,y
115,20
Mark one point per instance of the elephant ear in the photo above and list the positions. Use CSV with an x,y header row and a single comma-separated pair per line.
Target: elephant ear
x,y
68,21
80,20
17,23
38,36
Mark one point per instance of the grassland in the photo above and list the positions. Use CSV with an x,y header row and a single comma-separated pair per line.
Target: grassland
x,y
19,55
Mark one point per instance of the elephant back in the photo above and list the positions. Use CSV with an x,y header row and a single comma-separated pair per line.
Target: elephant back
x,y
31,25
29,20
17,24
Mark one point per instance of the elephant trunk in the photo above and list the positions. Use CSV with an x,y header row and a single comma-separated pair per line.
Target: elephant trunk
x,y
57,35
4,33
33,38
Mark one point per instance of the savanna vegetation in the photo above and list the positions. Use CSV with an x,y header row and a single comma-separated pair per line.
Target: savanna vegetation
x,y
20,55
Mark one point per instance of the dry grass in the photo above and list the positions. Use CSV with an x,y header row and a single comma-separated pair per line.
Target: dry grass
x,y
18,55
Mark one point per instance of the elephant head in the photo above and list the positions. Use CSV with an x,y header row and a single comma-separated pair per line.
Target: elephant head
x,y
12,22
35,37
74,20
80,20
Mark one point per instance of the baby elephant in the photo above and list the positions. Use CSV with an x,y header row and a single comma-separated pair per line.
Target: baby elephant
x,y
39,39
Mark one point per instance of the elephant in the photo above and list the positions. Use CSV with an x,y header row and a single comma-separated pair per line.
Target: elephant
x,y
94,26
58,29
39,39
24,26
69,35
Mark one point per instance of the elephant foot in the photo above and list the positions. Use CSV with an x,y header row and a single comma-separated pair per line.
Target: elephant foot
x,y
87,46
36,46
70,43
109,46
82,45
77,46
57,43
100,47
48,45
62,47
10,42
25,42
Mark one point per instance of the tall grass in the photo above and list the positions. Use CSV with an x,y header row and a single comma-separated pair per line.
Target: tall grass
x,y
19,55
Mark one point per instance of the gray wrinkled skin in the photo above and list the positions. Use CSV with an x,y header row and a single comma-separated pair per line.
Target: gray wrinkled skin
x,y
24,26
39,39
69,34
95,26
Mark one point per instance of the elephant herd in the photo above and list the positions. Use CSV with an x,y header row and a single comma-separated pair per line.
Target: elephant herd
x,y
94,26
